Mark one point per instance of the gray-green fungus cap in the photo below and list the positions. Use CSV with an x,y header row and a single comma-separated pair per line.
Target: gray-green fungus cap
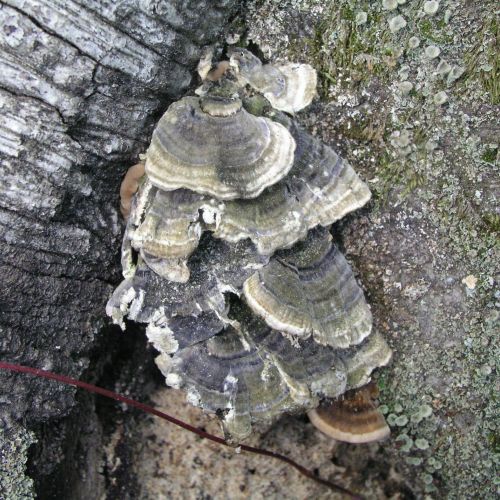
x,y
218,149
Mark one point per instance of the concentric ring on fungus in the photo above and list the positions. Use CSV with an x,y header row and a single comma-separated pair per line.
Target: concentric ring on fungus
x,y
320,188
311,290
288,87
229,157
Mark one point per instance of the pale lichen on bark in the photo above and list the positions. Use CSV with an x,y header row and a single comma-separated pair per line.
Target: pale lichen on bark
x,y
412,103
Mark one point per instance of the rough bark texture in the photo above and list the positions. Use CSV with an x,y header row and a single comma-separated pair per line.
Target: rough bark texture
x,y
81,86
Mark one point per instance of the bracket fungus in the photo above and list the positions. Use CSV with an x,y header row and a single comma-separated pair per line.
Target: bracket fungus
x,y
311,290
288,87
353,418
228,259
212,145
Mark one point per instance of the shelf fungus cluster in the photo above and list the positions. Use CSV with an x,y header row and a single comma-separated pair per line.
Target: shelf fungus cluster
x,y
228,259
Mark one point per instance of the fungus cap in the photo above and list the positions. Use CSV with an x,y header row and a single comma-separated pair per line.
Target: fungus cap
x,y
352,418
288,87
129,187
248,333
218,148
311,290
320,189
246,372
168,232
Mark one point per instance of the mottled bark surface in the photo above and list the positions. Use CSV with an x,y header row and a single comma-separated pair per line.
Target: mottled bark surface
x,y
81,86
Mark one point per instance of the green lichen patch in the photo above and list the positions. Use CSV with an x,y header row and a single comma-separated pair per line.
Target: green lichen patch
x,y
14,445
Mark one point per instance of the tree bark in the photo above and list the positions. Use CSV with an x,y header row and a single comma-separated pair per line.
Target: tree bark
x,y
81,87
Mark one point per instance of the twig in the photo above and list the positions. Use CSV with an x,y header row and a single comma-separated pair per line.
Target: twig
x,y
149,409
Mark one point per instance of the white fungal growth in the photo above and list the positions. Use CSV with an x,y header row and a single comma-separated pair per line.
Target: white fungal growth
x,y
265,374
211,215
167,365
193,397
127,298
173,380
230,383
118,313
292,339
136,305
160,335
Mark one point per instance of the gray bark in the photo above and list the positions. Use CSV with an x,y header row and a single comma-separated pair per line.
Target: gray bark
x,y
81,86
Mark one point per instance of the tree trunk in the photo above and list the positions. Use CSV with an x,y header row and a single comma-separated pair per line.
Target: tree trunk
x,y
81,86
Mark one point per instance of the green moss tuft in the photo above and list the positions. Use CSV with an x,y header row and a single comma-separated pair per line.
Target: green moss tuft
x,y
490,155
434,31
492,222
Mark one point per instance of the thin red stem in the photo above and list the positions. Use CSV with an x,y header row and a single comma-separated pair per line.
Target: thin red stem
x,y
149,409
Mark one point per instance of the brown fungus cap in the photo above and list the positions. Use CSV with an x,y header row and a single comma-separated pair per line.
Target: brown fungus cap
x,y
353,417
129,187
223,151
